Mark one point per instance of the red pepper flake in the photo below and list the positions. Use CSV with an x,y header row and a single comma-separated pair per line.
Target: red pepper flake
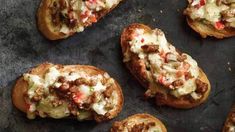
x,y
77,97
142,40
219,25
85,14
202,3
160,79
93,19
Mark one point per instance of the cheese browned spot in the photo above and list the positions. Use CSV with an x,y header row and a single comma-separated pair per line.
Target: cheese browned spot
x,y
177,72
62,94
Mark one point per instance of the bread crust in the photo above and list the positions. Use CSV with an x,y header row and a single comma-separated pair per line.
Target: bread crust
x,y
136,118
208,30
228,121
46,27
135,67
21,86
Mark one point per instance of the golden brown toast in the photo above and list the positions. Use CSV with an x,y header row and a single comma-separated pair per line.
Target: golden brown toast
x,y
138,123
21,87
138,68
229,125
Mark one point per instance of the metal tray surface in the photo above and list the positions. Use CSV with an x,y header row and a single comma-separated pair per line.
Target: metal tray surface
x,y
23,47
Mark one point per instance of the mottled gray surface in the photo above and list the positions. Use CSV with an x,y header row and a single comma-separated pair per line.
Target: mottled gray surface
x,y
22,47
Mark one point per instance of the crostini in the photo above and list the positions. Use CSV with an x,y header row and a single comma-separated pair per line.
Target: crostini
x,y
139,123
69,91
212,17
229,125
59,19
172,77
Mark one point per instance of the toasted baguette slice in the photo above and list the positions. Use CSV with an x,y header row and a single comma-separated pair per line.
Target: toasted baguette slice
x,y
229,125
208,30
112,91
139,123
138,68
53,31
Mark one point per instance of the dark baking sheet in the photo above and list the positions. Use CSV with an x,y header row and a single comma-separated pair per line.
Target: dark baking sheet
x,y
22,47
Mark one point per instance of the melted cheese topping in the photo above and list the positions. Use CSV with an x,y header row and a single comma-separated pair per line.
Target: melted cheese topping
x,y
162,71
51,79
83,12
211,12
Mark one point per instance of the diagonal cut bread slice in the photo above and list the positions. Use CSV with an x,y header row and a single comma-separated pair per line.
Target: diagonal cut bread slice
x,y
138,68
112,93
207,29
59,19
229,125
139,123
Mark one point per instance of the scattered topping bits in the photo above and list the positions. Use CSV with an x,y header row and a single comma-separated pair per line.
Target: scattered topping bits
x,y
68,94
138,127
61,79
77,97
162,63
64,87
201,86
178,82
181,58
150,48
188,75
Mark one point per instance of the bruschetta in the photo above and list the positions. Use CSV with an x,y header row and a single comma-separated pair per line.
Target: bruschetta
x,y
229,125
59,19
68,91
172,77
139,123
212,17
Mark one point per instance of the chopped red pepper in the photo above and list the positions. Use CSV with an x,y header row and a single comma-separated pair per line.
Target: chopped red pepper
x,y
161,79
142,40
201,3
77,97
219,25
85,14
